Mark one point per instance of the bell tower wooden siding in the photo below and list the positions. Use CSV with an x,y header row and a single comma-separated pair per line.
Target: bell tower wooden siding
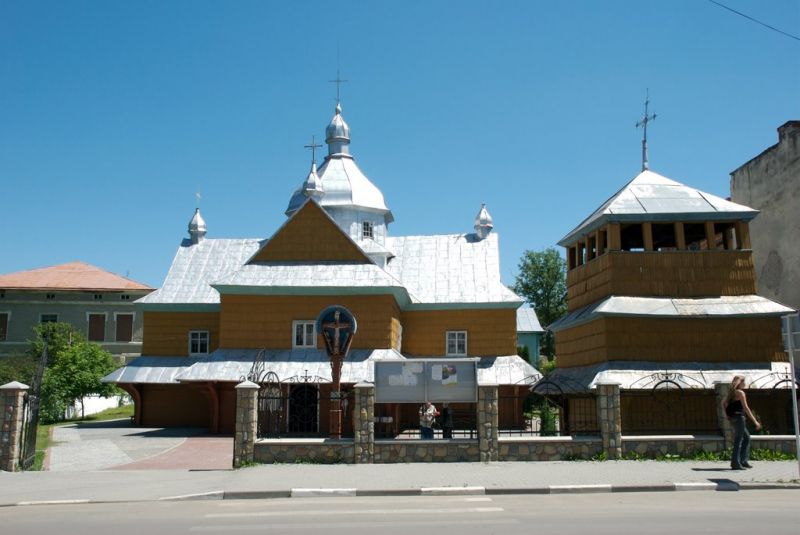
x,y
671,340
697,259
600,266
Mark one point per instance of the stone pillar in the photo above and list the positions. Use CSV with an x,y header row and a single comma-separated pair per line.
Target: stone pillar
x,y
488,423
610,419
720,393
364,424
11,415
244,439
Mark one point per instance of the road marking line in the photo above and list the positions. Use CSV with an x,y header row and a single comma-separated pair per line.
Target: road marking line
x,y
52,502
341,512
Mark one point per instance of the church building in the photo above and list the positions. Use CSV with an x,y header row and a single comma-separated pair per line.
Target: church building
x,y
229,303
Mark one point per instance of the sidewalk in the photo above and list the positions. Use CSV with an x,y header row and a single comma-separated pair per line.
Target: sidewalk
x,y
267,481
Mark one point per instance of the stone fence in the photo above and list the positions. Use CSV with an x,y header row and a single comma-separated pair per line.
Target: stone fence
x,y
11,415
491,444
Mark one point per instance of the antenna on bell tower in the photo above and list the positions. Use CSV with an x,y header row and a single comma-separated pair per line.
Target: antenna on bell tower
x,y
643,124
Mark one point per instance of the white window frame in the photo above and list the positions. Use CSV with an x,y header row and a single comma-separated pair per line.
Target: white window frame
x,y
199,342
455,335
42,314
312,344
367,230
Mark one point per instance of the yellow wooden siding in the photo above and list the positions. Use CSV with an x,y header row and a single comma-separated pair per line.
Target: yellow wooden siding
x,y
489,332
175,406
167,333
671,340
266,321
662,274
310,235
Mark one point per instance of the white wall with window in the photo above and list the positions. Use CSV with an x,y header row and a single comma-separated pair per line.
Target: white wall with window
x,y
96,326
198,342
456,343
304,334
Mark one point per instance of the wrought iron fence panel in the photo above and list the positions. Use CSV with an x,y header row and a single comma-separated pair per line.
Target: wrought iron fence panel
x,y
400,421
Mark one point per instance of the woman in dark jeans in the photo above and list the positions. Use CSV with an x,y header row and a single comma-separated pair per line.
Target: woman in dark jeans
x,y
736,408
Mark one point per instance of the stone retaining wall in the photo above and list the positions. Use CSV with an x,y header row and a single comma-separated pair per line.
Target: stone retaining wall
x,y
319,451
686,445
782,443
423,451
549,448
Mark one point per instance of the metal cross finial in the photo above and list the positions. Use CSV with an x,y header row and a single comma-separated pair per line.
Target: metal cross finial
x,y
314,146
338,83
643,124
197,198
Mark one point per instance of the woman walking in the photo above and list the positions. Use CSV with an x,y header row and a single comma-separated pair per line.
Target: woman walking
x,y
736,408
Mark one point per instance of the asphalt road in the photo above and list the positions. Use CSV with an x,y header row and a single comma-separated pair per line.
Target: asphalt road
x,y
750,512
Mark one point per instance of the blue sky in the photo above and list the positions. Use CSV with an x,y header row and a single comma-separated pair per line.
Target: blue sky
x,y
113,114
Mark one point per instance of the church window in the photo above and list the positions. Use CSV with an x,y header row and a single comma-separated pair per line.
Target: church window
x,y
198,342
305,334
456,343
366,230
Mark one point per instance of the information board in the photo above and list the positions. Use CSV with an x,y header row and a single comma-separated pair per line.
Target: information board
x,y
417,380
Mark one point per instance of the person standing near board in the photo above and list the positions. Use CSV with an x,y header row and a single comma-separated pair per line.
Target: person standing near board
x,y
427,417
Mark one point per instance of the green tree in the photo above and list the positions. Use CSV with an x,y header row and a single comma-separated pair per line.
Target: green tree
x,y
542,282
74,368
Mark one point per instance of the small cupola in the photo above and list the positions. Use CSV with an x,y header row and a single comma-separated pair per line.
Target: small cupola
x,y
337,134
483,223
312,187
197,227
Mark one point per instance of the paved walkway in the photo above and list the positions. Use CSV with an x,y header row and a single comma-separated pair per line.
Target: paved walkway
x,y
87,446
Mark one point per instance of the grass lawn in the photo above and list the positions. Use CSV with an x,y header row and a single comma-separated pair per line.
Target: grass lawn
x,y
43,433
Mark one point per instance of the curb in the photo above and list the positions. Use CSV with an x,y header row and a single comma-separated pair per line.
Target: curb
x,y
722,486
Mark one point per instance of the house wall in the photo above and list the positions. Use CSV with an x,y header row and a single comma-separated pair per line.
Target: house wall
x,y
25,308
490,332
671,340
661,274
266,320
175,406
168,332
531,341
770,182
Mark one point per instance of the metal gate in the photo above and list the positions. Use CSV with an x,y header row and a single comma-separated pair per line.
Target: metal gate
x,y
30,415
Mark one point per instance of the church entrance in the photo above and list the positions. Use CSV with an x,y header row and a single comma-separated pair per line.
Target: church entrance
x,y
303,409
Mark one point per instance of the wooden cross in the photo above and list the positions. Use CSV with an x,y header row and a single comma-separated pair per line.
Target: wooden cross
x,y
314,146
338,82
337,326
643,124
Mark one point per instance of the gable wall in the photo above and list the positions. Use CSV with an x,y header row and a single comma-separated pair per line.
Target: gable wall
x,y
310,235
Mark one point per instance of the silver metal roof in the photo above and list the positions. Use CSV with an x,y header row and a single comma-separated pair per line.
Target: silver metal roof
x,y
150,370
195,267
527,321
197,227
450,268
506,370
644,375
666,307
274,277
231,365
483,223
432,270
652,197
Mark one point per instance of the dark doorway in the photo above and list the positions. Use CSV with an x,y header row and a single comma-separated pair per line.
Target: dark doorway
x,y
303,401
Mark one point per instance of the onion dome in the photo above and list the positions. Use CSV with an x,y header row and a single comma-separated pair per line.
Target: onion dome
x,y
483,223
197,227
337,134
312,187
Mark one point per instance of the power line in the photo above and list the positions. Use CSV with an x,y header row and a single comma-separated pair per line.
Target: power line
x,y
748,17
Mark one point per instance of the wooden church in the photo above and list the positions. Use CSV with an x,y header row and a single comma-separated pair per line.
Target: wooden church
x,y
229,303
